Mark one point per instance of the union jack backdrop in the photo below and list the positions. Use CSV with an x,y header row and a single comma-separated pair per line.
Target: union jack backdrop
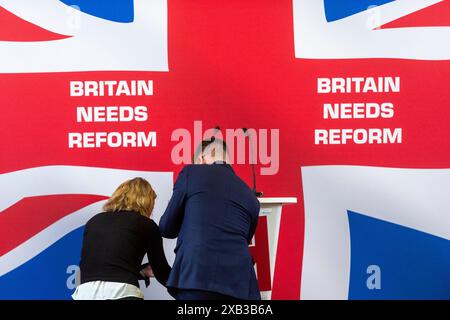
x,y
352,96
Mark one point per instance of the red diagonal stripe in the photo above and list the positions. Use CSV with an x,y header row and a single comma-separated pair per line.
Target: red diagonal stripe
x,y
22,30
433,16
31,215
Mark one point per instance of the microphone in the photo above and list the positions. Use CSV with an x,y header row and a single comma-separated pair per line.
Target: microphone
x,y
258,194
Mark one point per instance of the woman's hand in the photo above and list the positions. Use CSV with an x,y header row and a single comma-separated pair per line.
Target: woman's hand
x,y
147,272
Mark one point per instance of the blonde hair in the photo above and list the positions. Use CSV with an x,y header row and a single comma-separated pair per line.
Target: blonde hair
x,y
132,195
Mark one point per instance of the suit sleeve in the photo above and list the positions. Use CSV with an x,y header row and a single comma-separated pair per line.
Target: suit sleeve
x,y
156,257
254,223
171,220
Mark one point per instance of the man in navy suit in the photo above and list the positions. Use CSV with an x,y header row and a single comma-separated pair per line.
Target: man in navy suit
x,y
214,215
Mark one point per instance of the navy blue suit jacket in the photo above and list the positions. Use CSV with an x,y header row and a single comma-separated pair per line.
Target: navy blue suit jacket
x,y
214,215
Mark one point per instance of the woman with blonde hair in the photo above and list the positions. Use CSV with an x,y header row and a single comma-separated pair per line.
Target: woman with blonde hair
x,y
115,242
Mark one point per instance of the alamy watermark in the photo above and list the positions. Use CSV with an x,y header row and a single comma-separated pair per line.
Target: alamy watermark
x,y
245,146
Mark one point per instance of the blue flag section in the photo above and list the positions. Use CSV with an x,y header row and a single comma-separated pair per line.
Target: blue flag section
x,y
339,9
390,261
48,275
114,10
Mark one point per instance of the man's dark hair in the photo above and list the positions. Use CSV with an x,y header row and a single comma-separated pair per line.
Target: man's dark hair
x,y
205,143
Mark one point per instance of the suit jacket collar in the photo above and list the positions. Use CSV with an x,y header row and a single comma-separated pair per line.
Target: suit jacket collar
x,y
223,163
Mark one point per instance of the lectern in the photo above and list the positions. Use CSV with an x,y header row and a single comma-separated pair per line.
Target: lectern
x,y
269,227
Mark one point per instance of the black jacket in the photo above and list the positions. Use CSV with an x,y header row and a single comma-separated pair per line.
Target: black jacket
x,y
114,244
